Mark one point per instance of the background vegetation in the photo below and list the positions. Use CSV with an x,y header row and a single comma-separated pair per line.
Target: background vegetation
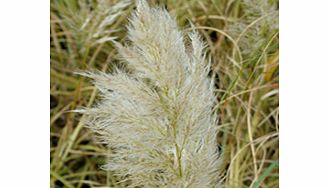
x,y
243,47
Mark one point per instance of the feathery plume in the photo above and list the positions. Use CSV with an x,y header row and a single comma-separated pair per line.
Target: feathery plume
x,y
90,24
258,23
158,118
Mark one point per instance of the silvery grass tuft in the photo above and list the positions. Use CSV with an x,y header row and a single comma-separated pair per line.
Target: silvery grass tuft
x,y
157,118
89,23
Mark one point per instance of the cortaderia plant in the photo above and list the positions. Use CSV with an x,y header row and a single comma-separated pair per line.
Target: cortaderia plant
x,y
157,116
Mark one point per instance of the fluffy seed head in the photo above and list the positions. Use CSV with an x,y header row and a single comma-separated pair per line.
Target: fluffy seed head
x,y
157,118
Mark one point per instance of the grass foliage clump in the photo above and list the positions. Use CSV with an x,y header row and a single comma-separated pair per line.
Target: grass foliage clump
x,y
166,116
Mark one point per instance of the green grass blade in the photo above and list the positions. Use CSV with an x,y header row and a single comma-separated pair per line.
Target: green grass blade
x,y
261,178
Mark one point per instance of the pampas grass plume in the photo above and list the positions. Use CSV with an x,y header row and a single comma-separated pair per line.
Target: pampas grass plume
x,y
157,118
